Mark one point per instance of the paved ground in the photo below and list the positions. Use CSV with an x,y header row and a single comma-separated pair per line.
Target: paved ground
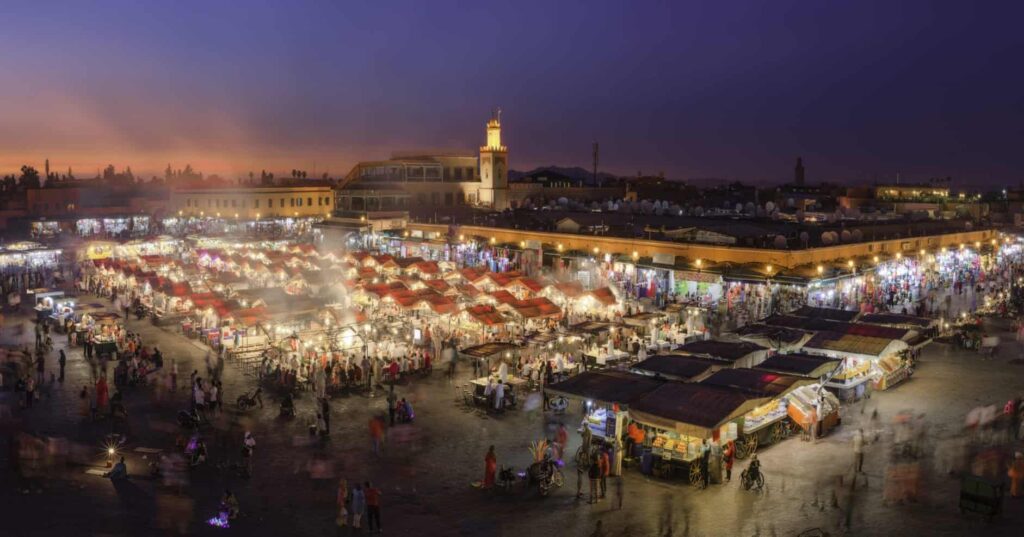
x,y
427,468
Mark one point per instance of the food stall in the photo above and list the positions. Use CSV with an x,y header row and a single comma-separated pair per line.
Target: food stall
x,y
47,302
862,361
767,423
493,353
605,397
777,338
810,400
104,326
676,367
738,354
680,417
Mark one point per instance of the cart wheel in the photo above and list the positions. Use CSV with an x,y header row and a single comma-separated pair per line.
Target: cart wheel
x,y
778,432
695,477
745,445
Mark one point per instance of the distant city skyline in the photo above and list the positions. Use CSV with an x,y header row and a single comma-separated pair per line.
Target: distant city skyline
x,y
693,90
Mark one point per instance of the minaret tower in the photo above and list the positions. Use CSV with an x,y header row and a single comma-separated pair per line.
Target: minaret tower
x,y
494,167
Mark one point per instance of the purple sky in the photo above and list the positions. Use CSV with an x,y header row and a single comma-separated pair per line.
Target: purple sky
x,y
860,89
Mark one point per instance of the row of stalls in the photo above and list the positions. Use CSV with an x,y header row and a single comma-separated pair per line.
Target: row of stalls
x,y
876,349
666,424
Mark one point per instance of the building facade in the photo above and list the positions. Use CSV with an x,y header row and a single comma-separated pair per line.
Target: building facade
x,y
254,202
416,180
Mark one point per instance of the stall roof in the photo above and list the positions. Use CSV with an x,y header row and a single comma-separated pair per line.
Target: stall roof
x,y
760,383
571,289
678,367
604,295
489,349
486,315
590,327
639,319
896,319
841,327
723,350
831,314
805,365
473,275
863,345
606,386
767,332
693,409
536,307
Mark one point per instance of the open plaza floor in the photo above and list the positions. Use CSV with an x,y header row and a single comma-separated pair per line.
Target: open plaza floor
x,y
427,468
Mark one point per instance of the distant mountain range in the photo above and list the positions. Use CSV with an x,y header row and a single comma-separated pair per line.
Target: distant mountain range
x,y
575,173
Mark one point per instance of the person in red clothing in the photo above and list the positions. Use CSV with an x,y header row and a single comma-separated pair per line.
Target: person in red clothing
x,y
605,465
727,457
490,468
102,393
376,433
393,369
372,507
561,440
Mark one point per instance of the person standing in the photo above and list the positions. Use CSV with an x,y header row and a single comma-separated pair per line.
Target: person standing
x,y
102,393
490,468
40,368
594,473
376,432
325,411
372,507
342,500
728,456
214,393
30,391
392,401
358,505
62,360
605,465
705,466
858,451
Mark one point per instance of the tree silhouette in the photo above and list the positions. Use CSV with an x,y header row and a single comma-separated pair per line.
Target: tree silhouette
x,y
29,177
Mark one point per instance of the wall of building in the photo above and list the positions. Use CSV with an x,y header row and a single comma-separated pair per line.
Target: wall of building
x,y
253,202
715,253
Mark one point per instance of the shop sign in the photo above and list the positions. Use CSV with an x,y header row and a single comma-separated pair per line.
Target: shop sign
x,y
664,259
700,277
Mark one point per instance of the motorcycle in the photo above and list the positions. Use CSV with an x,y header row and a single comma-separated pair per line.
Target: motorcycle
x,y
546,475
249,400
190,420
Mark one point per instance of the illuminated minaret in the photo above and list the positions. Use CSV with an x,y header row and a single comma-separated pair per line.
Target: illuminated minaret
x,y
494,167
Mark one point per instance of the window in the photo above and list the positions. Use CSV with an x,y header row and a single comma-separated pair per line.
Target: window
x,y
218,204
270,203
209,203
435,198
300,202
309,202
293,202
234,203
282,203
449,198
256,204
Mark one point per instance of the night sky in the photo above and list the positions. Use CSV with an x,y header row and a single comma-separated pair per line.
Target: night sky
x,y
734,90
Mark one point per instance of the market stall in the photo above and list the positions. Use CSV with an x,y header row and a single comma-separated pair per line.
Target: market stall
x,y
677,367
809,402
767,423
738,354
681,417
493,353
48,302
605,398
